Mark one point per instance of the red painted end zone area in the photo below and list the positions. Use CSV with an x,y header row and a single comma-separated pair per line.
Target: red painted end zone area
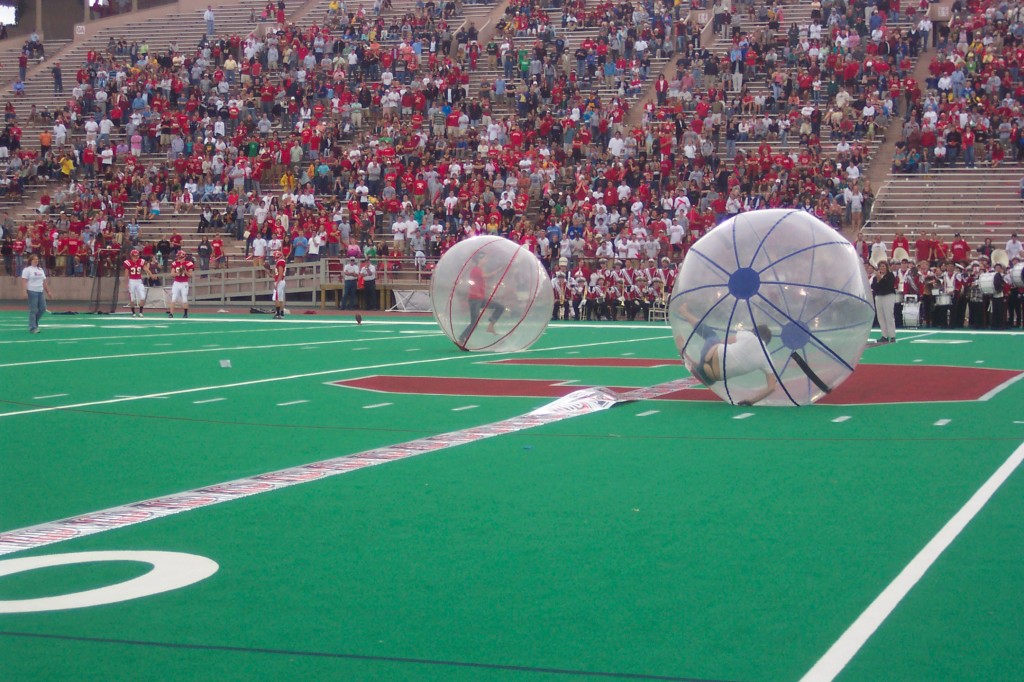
x,y
869,384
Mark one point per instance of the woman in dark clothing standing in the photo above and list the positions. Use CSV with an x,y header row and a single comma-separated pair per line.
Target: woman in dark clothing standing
x,y
883,286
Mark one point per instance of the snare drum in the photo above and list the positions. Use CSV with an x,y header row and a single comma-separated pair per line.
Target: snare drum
x,y
987,283
1017,275
944,300
911,314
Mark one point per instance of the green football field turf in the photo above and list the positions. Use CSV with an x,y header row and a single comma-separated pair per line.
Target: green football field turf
x,y
658,539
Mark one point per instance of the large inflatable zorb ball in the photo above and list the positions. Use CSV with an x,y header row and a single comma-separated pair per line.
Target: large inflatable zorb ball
x,y
771,307
490,294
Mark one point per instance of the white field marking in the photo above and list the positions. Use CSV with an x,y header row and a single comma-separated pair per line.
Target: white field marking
x,y
942,422
1018,422
1001,387
307,375
412,350
66,343
190,351
69,326
212,345
919,360
161,335
171,571
384,322
163,344
376,405
567,382
840,420
573,352
40,535
917,334
979,362
464,407
302,319
114,343
648,413
47,397
208,400
626,355
592,327
846,647
942,342
363,348
744,415
293,402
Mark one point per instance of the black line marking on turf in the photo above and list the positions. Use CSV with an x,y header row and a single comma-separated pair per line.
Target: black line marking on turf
x,y
359,657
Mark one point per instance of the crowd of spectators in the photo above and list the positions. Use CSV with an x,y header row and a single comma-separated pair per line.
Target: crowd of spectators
x,y
970,114
358,134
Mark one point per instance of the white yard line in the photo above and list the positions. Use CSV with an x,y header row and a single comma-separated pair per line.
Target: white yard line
x,y
376,405
306,375
942,422
464,407
208,400
1002,387
840,420
190,351
49,327
846,647
648,413
292,402
155,508
744,415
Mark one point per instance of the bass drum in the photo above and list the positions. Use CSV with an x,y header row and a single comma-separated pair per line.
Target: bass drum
x,y
1017,275
987,283
911,314
943,300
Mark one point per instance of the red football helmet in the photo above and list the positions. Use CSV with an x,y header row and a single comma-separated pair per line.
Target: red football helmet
x,y
135,253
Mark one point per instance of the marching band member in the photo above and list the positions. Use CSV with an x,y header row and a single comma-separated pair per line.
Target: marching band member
x,y
631,296
668,273
647,297
1001,286
613,296
579,297
975,296
661,294
563,297
597,303
901,284
950,284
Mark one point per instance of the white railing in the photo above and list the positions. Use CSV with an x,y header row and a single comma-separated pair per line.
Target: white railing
x,y
249,283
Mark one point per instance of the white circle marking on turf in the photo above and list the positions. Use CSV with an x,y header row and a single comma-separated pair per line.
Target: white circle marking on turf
x,y
171,570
